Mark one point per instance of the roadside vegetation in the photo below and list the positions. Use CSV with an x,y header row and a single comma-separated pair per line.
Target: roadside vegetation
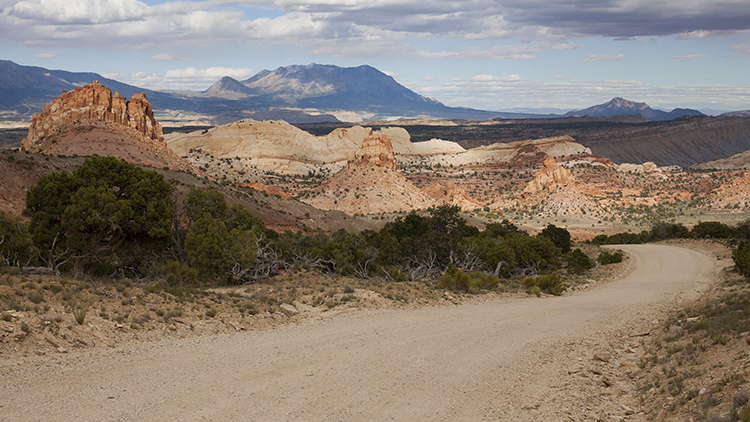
x,y
696,366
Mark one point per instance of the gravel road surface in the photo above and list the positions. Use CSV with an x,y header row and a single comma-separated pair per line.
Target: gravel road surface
x,y
499,359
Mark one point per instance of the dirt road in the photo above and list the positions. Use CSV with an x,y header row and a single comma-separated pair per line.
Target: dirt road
x,y
523,359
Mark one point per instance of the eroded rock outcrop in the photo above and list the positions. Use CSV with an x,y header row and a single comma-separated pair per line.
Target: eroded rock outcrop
x,y
91,121
370,183
376,150
551,176
93,102
452,195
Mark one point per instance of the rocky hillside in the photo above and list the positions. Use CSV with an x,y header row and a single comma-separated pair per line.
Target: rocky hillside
x,y
91,121
735,162
370,183
19,171
279,147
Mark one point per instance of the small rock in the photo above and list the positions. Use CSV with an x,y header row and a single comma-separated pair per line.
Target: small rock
x,y
702,391
61,350
601,357
628,411
606,381
54,344
289,308
40,352
235,326
8,328
740,399
18,336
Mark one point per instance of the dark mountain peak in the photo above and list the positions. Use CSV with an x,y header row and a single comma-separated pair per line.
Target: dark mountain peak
x,y
618,106
613,107
332,87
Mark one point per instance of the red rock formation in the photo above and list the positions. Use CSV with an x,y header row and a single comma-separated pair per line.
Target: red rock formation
x,y
90,121
452,195
268,189
92,102
370,183
550,177
376,149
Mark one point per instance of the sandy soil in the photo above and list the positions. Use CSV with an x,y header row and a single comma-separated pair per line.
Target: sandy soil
x,y
556,358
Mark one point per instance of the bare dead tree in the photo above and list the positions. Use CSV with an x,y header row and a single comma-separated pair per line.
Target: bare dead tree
x,y
362,270
532,270
266,264
467,260
420,268
55,259
499,266
306,262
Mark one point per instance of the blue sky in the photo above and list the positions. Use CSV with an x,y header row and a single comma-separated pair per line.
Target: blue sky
x,y
495,55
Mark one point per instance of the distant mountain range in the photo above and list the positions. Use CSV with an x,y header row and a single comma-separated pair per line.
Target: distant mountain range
x,y
618,106
297,94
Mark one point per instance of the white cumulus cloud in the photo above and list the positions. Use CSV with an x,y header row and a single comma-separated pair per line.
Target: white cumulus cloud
x,y
180,79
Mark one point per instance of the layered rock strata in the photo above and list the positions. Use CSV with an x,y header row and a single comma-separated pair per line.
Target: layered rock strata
x,y
551,176
370,183
93,102
91,121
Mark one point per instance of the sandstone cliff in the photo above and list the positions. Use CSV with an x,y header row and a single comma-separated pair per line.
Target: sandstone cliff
x,y
93,102
550,177
370,183
91,121
532,151
279,147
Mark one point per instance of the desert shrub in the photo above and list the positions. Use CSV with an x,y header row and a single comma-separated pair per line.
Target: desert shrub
x,y
79,312
85,217
16,247
224,243
578,262
711,230
607,257
617,239
741,231
548,283
176,274
430,238
741,258
662,231
558,235
458,280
